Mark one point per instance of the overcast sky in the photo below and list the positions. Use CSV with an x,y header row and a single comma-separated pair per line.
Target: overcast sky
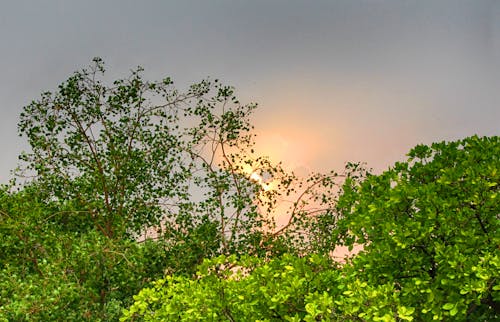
x,y
336,81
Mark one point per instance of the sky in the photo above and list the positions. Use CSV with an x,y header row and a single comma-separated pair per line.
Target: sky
x,y
336,81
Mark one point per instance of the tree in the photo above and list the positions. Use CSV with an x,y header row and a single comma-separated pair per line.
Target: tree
x,y
120,151
128,155
136,155
48,273
430,230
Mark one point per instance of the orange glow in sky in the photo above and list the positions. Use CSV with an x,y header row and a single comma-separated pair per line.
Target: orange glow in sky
x,y
296,150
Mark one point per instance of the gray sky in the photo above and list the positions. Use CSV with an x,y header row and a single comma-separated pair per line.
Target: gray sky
x,y
336,80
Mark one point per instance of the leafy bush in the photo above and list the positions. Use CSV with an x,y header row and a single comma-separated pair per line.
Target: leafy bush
x,y
287,288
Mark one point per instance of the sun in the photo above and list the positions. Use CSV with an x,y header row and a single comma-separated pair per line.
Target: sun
x,y
253,175
266,186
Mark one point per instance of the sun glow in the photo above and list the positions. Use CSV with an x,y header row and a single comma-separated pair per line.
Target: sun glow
x,y
266,186
254,176
294,149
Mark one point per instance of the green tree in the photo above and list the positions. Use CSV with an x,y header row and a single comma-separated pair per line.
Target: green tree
x,y
48,273
119,152
137,155
430,230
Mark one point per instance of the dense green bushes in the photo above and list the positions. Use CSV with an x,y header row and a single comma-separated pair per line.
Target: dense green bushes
x,y
249,289
429,228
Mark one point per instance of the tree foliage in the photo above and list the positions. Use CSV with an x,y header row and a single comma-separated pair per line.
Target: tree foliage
x,y
137,155
128,181
430,230
121,153
226,289
137,181
48,273
429,227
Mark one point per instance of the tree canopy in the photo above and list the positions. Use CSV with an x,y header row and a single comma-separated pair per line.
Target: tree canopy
x,y
126,155
429,227
143,202
135,155
130,180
